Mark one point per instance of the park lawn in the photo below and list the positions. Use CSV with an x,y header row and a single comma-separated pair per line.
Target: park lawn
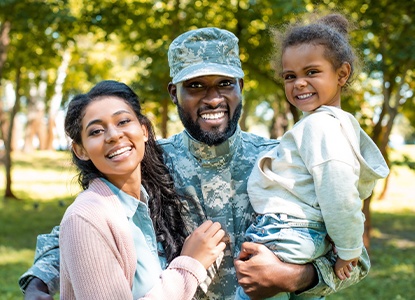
x,y
45,183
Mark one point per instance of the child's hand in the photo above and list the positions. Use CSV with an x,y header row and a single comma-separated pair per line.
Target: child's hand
x,y
342,268
205,243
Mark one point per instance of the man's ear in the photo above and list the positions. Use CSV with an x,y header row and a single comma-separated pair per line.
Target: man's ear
x,y
79,151
344,73
241,84
172,89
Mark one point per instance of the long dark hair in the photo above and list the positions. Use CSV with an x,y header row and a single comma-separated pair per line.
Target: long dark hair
x,y
164,202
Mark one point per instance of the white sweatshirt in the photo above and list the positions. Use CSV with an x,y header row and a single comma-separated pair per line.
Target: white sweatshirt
x,y
321,171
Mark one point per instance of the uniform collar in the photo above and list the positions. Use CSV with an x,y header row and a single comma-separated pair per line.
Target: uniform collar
x,y
201,151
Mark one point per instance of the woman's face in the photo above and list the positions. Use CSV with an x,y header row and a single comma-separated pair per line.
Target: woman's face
x,y
112,138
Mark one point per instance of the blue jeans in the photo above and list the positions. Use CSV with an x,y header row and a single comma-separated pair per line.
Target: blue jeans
x,y
292,239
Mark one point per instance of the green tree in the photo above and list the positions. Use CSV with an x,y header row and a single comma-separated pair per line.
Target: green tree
x,y
31,30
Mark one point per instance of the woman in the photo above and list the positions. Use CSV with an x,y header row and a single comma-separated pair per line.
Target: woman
x,y
110,235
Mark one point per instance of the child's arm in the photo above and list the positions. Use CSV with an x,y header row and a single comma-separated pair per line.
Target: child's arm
x,y
342,268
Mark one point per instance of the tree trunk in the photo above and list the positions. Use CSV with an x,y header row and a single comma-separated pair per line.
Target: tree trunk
x,y
3,122
4,43
56,100
35,126
368,223
380,136
280,120
245,113
8,141
164,116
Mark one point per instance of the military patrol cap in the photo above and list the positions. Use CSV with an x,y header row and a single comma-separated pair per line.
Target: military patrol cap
x,y
204,51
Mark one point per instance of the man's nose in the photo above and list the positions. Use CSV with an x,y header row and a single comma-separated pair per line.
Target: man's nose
x,y
213,96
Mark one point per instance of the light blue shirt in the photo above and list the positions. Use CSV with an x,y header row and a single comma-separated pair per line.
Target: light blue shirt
x,y
148,263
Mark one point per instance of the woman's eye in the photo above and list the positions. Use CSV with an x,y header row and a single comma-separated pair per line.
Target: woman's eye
x,y
126,121
95,132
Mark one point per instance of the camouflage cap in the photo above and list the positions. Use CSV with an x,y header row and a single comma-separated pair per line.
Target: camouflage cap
x,y
204,51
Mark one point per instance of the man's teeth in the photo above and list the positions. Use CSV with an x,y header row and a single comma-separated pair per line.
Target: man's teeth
x,y
119,151
213,116
304,96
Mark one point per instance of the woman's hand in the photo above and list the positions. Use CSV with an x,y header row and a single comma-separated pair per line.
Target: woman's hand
x,y
205,243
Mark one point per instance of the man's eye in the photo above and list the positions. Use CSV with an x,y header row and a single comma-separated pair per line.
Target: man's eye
x,y
225,83
195,85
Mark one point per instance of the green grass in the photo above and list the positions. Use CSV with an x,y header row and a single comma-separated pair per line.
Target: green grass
x,y
44,181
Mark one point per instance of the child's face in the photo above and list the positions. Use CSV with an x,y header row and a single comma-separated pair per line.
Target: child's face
x,y
310,79
112,138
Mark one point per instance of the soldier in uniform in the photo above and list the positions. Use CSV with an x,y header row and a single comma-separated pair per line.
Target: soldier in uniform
x,y
211,161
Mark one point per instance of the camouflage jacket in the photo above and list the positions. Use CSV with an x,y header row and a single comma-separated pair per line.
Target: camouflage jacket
x,y
216,179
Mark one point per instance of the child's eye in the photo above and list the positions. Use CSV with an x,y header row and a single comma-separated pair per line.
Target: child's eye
x,y
312,72
288,76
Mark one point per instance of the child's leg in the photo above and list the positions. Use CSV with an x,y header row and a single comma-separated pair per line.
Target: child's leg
x,y
293,240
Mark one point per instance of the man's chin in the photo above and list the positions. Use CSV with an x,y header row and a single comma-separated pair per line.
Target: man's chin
x,y
214,136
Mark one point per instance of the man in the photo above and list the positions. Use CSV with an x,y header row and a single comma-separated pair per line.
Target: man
x,y
211,161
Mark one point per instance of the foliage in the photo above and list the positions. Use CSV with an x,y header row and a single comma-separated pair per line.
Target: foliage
x,y
39,29
127,40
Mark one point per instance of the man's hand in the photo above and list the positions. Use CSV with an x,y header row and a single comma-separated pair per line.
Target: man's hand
x,y
37,290
261,274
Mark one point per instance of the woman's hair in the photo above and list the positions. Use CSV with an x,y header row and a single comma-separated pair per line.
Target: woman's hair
x,y
164,204
330,31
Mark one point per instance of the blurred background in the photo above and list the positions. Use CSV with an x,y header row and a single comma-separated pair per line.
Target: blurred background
x,y
53,49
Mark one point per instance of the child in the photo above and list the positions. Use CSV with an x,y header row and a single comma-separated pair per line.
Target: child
x,y
312,184
108,241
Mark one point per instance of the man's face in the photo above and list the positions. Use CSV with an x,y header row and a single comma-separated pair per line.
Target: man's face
x,y
209,106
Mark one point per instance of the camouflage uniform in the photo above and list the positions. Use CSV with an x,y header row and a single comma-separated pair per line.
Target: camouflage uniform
x,y
216,178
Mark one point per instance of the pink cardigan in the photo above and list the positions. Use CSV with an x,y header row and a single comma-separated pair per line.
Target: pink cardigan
x,y
98,258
